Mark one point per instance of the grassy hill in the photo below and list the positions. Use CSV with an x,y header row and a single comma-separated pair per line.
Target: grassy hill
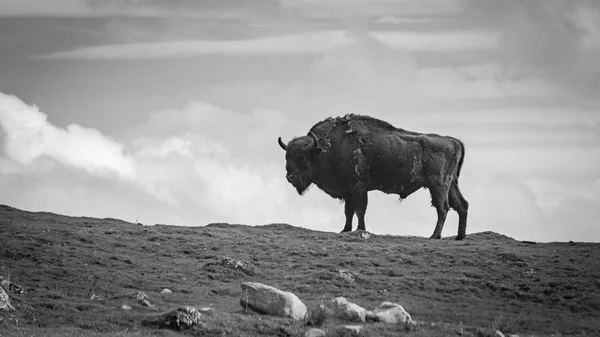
x,y
468,288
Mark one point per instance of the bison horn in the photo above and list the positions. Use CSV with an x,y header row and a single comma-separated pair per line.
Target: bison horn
x,y
282,144
315,140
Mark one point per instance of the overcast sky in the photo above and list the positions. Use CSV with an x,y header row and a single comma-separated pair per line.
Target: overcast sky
x,y
171,110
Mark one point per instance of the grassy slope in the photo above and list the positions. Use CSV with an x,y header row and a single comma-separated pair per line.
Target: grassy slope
x,y
486,281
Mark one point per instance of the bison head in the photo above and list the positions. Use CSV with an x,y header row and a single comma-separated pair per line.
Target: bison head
x,y
300,156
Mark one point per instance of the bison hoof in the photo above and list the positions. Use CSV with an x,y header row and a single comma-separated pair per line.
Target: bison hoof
x,y
436,236
346,230
460,237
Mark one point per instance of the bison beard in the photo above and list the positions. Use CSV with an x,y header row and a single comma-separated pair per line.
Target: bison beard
x,y
348,156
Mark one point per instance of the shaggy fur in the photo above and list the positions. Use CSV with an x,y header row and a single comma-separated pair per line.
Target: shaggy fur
x,y
348,156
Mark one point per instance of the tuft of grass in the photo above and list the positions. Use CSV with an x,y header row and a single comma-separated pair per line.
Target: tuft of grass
x,y
319,315
505,324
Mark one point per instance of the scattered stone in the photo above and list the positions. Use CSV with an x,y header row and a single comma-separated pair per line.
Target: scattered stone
x,y
182,318
5,302
240,265
234,264
488,332
95,297
344,309
389,312
166,291
146,303
205,309
354,329
10,286
125,307
141,298
356,236
271,301
315,333
347,275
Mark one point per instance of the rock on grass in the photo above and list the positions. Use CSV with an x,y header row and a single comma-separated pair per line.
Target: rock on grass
x,y
343,309
389,312
5,302
315,333
182,318
271,301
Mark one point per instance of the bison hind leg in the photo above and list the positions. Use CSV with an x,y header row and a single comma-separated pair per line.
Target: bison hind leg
x,y
461,206
439,200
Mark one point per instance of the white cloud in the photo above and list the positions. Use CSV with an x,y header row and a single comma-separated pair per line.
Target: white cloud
x,y
29,135
480,81
250,195
394,20
131,8
596,188
490,115
537,161
302,43
43,8
555,40
370,8
551,195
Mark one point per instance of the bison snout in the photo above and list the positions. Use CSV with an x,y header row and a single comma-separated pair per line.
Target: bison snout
x,y
292,178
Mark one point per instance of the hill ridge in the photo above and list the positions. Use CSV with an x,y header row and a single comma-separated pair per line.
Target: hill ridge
x,y
449,287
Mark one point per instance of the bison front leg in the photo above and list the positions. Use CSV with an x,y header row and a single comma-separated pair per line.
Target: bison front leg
x,y
360,205
349,211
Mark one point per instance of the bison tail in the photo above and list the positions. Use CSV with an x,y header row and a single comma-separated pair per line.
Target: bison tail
x,y
462,157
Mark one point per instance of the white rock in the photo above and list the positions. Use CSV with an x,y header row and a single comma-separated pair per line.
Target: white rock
x,y
271,301
147,303
125,307
315,333
166,291
389,312
498,333
355,329
5,301
344,309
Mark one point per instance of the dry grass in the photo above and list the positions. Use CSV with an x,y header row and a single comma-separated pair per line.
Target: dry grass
x,y
484,283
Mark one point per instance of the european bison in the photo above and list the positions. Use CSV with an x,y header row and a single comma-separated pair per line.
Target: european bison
x,y
348,156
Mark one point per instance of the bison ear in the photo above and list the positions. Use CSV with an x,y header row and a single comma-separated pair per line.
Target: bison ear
x,y
282,144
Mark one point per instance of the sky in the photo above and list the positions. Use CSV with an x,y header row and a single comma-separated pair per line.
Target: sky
x,y
168,112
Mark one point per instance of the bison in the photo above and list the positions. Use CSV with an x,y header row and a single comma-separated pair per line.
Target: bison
x,y
348,156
